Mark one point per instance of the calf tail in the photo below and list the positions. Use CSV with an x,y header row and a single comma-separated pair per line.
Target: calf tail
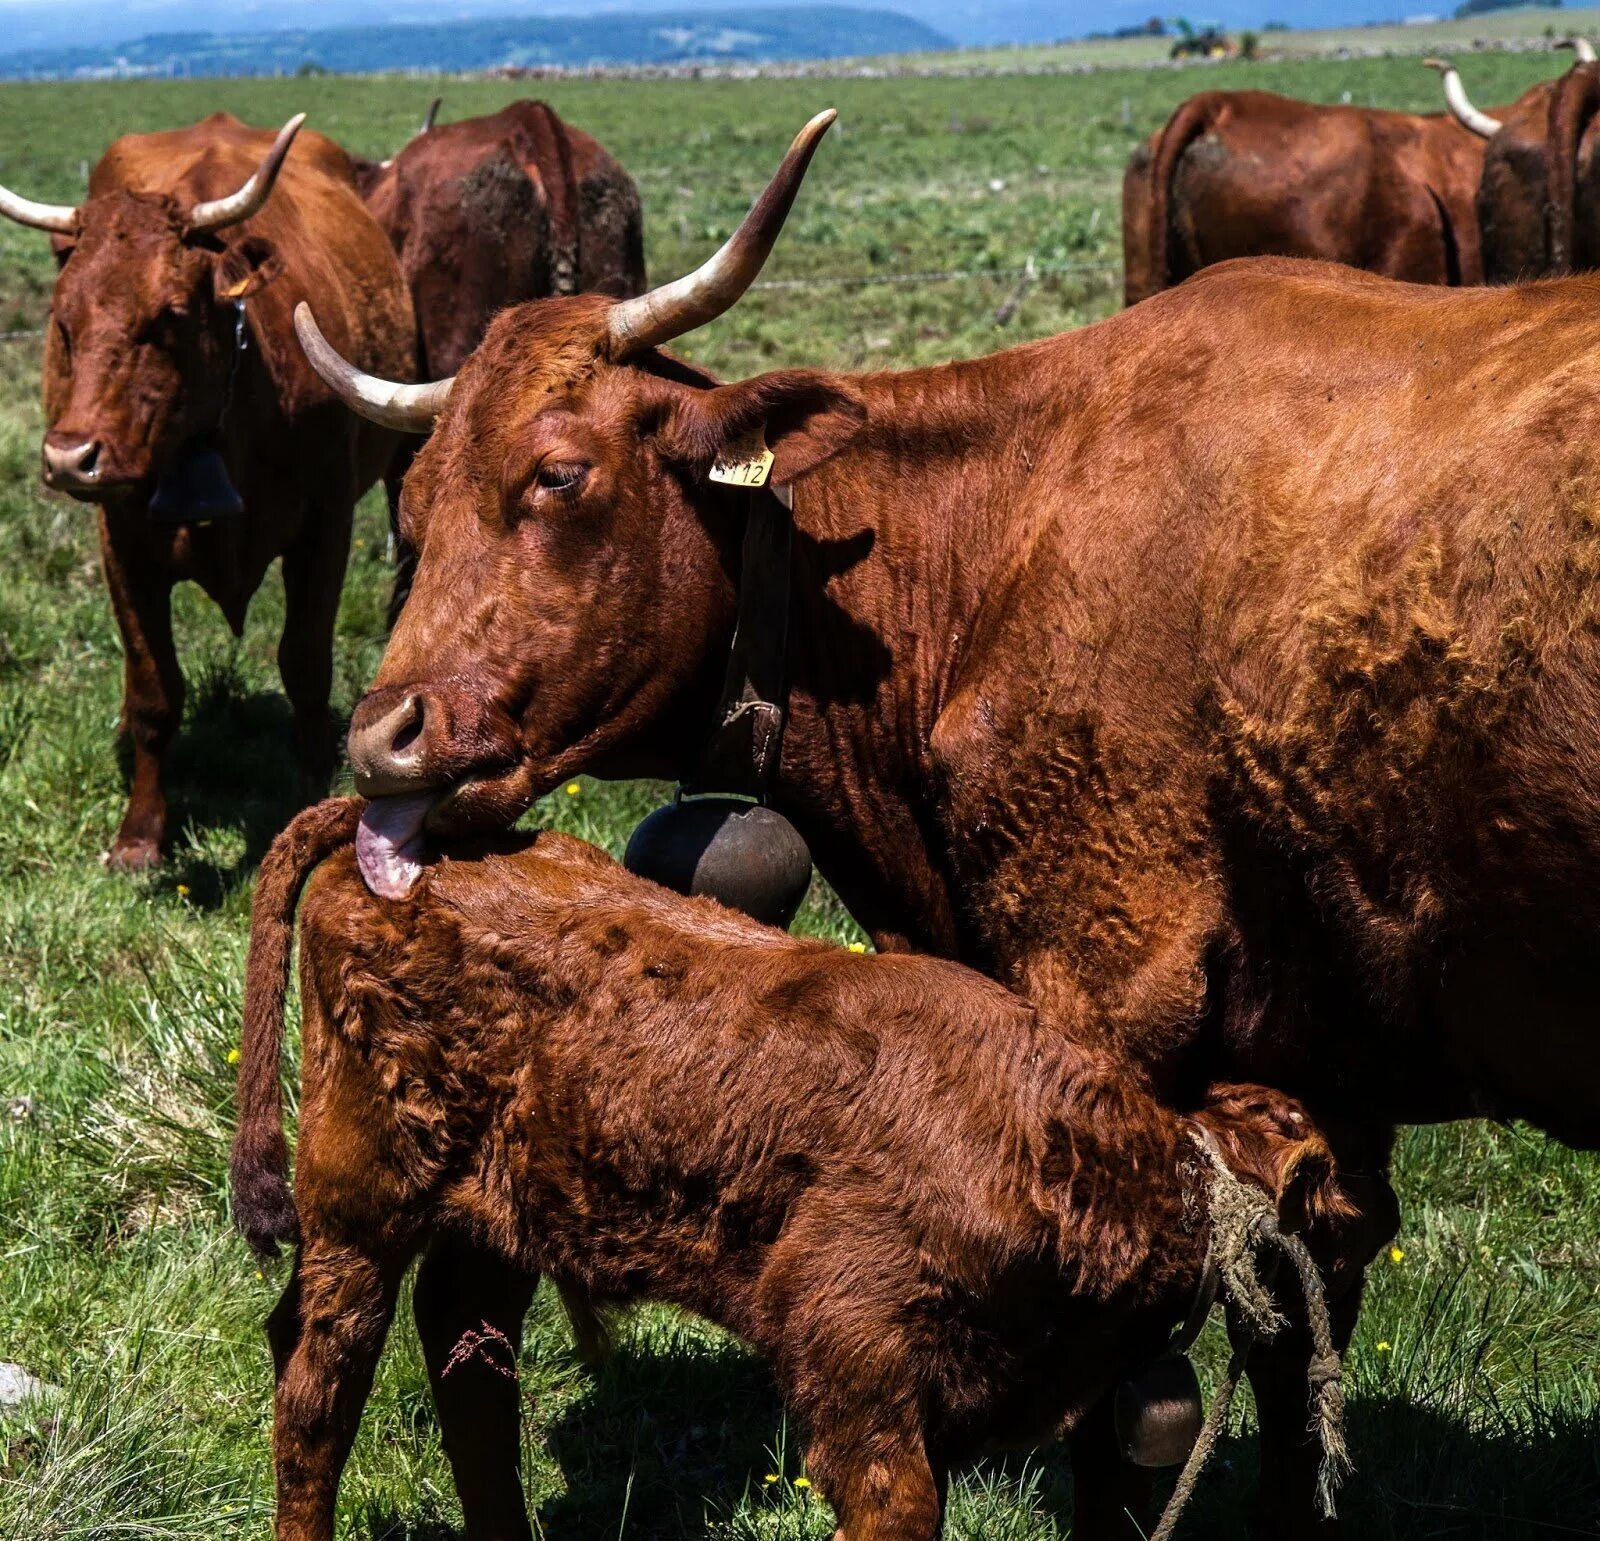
x,y
263,1204
1572,108
1186,125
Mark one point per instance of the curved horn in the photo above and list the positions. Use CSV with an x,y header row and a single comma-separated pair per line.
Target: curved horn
x,y
1581,46
219,212
408,408
1461,109
62,218
701,296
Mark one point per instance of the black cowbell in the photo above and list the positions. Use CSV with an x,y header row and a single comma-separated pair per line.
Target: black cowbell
x,y
742,854
195,488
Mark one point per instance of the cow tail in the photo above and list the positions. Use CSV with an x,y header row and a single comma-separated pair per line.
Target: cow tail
x,y
1186,125
1447,238
1572,107
258,1169
554,154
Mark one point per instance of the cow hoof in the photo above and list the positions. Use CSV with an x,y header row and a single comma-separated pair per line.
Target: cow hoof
x,y
133,856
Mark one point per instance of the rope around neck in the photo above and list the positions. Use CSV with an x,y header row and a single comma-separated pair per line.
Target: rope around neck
x,y
1242,1220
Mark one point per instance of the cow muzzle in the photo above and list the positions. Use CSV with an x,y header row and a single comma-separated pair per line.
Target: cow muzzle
x,y
73,464
406,739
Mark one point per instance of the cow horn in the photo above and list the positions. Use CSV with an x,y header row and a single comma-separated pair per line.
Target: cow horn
x,y
427,124
657,317
1581,46
62,218
219,212
408,408
1455,96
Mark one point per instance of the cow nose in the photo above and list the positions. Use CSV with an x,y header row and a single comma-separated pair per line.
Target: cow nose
x,y
71,462
388,743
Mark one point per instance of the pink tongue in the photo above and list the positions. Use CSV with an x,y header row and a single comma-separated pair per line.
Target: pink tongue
x,y
389,843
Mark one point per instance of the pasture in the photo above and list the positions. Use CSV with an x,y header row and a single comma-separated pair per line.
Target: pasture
x,y
1475,1396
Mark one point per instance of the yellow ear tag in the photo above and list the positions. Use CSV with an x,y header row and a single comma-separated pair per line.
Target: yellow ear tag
x,y
236,290
745,464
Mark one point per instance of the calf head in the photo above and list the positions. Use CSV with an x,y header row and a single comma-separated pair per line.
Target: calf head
x,y
575,570
141,324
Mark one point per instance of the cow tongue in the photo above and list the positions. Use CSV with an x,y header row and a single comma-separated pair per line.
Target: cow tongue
x,y
389,843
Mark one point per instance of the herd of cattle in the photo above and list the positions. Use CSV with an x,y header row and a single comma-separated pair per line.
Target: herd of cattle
x,y
1221,680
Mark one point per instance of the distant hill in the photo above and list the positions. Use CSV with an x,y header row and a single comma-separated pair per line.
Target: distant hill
x,y
664,37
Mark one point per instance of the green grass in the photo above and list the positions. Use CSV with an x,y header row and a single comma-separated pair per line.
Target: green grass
x,y
119,998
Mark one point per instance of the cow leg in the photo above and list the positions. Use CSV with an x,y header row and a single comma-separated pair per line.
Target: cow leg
x,y
152,685
326,1334
1112,1499
882,1486
313,575
469,1307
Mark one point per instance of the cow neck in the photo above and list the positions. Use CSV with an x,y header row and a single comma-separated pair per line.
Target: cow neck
x,y
896,542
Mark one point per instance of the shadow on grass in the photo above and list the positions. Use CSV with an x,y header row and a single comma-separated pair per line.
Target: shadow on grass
x,y
233,782
666,1448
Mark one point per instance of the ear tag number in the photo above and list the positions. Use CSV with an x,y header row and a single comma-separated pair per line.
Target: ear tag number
x,y
745,464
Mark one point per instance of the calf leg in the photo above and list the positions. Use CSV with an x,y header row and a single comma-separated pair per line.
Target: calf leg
x,y
882,1487
469,1307
1112,1499
313,574
326,1333
152,684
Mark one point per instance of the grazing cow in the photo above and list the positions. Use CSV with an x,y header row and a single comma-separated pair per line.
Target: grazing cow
x,y
170,344
1222,676
948,1223
1512,199
492,211
1250,174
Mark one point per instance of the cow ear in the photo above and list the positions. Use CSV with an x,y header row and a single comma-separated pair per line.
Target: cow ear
x,y
63,247
804,416
245,267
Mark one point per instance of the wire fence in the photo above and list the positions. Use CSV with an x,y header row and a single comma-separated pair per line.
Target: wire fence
x,y
1030,270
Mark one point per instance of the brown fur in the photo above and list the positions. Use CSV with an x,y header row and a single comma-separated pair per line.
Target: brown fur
x,y
137,357
947,1223
1251,174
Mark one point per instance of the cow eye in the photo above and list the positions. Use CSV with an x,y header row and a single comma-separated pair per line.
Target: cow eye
x,y
562,475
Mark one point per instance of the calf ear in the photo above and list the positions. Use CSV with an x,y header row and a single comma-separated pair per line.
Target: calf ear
x,y
245,267
1269,1138
806,417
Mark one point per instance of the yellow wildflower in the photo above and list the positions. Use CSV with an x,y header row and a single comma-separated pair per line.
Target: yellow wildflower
x,y
858,947
573,788
802,1482
1397,1254
183,890
233,1056
770,1478
1385,1348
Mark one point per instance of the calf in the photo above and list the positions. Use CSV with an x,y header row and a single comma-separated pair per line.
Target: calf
x,y
947,1223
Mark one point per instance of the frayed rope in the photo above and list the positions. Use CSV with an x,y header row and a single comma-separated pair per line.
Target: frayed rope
x,y
1242,1222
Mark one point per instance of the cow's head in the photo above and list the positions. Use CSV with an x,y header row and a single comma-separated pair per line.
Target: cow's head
x,y
141,323
574,588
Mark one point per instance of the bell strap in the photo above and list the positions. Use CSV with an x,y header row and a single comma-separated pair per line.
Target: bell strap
x,y
742,756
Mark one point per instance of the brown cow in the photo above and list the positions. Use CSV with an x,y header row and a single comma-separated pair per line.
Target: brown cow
x,y
950,1225
492,211
1251,174
170,337
1222,676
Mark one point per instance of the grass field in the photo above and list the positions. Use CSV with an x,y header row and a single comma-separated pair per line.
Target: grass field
x,y
1475,1403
